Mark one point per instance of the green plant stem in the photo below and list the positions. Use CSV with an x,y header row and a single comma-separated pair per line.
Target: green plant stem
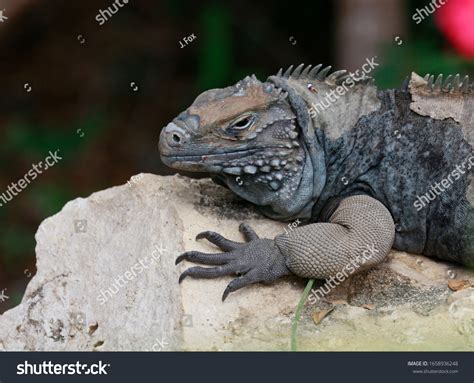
x,y
299,308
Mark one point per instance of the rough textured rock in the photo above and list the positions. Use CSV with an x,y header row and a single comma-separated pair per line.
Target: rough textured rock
x,y
135,231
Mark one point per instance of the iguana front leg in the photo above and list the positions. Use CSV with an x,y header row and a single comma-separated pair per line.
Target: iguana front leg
x,y
360,226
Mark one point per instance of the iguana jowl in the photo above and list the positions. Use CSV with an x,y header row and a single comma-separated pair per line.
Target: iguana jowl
x,y
354,170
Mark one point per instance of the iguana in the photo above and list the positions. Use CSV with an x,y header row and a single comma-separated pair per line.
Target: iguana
x,y
362,169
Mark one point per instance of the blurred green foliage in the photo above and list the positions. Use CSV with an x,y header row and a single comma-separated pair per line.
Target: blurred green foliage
x,y
36,140
15,242
423,51
215,59
421,56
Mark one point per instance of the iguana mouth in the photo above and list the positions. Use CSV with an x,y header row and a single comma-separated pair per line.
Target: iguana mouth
x,y
211,162
204,157
204,162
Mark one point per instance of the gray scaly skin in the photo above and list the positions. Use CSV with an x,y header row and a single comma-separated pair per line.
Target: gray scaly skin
x,y
353,170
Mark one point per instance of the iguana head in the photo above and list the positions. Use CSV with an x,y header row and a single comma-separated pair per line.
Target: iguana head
x,y
249,136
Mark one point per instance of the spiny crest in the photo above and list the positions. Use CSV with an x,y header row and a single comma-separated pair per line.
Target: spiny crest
x,y
320,73
270,88
247,81
267,87
451,84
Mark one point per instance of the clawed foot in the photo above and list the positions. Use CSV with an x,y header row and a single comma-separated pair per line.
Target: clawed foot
x,y
257,260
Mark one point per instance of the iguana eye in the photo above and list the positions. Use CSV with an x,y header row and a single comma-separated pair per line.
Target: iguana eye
x,y
312,88
244,123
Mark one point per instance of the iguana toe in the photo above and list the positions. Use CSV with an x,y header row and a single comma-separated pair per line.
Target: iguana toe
x,y
248,233
207,259
219,240
259,260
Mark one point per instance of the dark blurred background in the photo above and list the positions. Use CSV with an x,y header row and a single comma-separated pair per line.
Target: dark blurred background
x,y
101,93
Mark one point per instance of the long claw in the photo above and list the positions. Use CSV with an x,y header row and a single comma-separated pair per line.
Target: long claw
x,y
206,259
238,283
209,272
219,240
248,233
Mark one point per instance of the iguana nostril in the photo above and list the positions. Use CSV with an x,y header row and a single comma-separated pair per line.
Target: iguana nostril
x,y
173,135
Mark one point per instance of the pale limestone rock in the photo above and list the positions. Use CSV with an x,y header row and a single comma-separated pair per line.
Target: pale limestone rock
x,y
137,230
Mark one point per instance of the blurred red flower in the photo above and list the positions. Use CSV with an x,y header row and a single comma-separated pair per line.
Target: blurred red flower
x,y
455,19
